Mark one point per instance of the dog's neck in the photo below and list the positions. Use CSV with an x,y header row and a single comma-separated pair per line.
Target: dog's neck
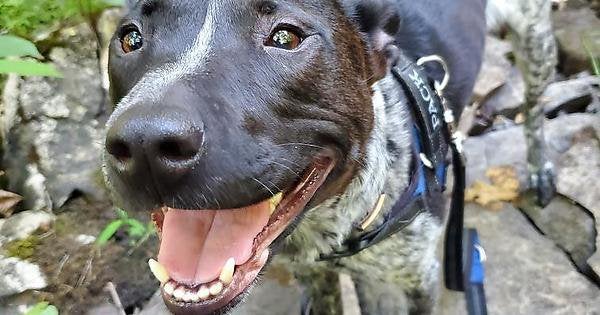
x,y
386,171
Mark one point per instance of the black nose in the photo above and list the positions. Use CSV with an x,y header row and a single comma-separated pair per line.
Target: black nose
x,y
164,142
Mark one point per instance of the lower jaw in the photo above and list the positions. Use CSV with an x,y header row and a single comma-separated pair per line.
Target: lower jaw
x,y
230,296
246,274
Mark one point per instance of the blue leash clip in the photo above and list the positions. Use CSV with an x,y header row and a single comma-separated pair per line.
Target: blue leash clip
x,y
474,274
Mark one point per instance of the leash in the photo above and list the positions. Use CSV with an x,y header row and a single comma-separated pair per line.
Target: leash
x,y
437,143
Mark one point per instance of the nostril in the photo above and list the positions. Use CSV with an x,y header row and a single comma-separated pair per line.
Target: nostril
x,y
178,150
119,149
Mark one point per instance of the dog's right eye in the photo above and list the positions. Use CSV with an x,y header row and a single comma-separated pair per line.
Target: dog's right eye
x,y
285,39
131,40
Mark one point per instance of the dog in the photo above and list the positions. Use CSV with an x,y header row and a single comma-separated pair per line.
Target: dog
x,y
255,130
529,26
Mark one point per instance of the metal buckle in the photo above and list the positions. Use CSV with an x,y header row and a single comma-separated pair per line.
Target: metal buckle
x,y
440,87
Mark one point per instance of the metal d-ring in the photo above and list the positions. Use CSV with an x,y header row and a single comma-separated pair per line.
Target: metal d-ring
x,y
482,253
440,87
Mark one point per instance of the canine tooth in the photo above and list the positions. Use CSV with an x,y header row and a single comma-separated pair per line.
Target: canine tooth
x,y
179,293
169,288
203,292
158,270
216,288
227,272
275,201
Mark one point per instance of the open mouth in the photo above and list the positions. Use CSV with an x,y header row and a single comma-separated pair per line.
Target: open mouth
x,y
209,258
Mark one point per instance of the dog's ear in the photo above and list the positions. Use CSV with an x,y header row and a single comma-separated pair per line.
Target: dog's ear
x,y
379,21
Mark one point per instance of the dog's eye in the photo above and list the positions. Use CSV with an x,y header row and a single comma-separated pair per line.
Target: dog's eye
x,y
285,39
131,41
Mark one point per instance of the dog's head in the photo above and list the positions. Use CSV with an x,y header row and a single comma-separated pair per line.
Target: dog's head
x,y
232,118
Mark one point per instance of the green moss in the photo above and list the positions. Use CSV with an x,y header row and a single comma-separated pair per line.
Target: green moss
x,y
23,249
62,226
27,18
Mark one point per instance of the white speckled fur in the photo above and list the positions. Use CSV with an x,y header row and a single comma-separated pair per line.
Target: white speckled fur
x,y
406,261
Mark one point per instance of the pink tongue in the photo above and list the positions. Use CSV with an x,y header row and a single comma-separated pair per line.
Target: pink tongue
x,y
196,244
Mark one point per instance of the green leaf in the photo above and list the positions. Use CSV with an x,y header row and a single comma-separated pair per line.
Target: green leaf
x,y
43,308
109,231
28,68
38,308
136,228
12,46
50,310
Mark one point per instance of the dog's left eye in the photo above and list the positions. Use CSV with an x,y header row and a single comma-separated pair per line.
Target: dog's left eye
x,y
132,41
285,39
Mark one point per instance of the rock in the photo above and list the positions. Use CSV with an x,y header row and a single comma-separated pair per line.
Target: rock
x,y
12,310
85,239
55,149
107,25
580,167
527,273
571,25
594,262
155,306
286,301
17,276
501,148
33,188
508,148
496,67
9,105
508,99
578,173
570,96
106,309
23,224
570,226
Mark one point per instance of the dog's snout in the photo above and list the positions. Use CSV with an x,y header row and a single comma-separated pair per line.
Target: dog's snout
x,y
166,142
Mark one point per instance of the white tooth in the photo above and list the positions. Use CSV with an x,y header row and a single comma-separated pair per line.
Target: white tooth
x,y
216,288
195,297
188,296
179,293
227,272
275,201
158,270
169,288
203,293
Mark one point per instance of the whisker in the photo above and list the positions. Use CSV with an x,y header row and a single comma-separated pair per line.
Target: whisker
x,y
302,144
214,196
291,162
274,185
265,186
286,167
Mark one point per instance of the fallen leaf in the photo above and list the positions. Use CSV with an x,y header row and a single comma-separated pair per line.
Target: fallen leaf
x,y
8,201
503,187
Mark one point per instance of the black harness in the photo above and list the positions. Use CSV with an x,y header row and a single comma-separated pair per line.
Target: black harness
x,y
436,145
